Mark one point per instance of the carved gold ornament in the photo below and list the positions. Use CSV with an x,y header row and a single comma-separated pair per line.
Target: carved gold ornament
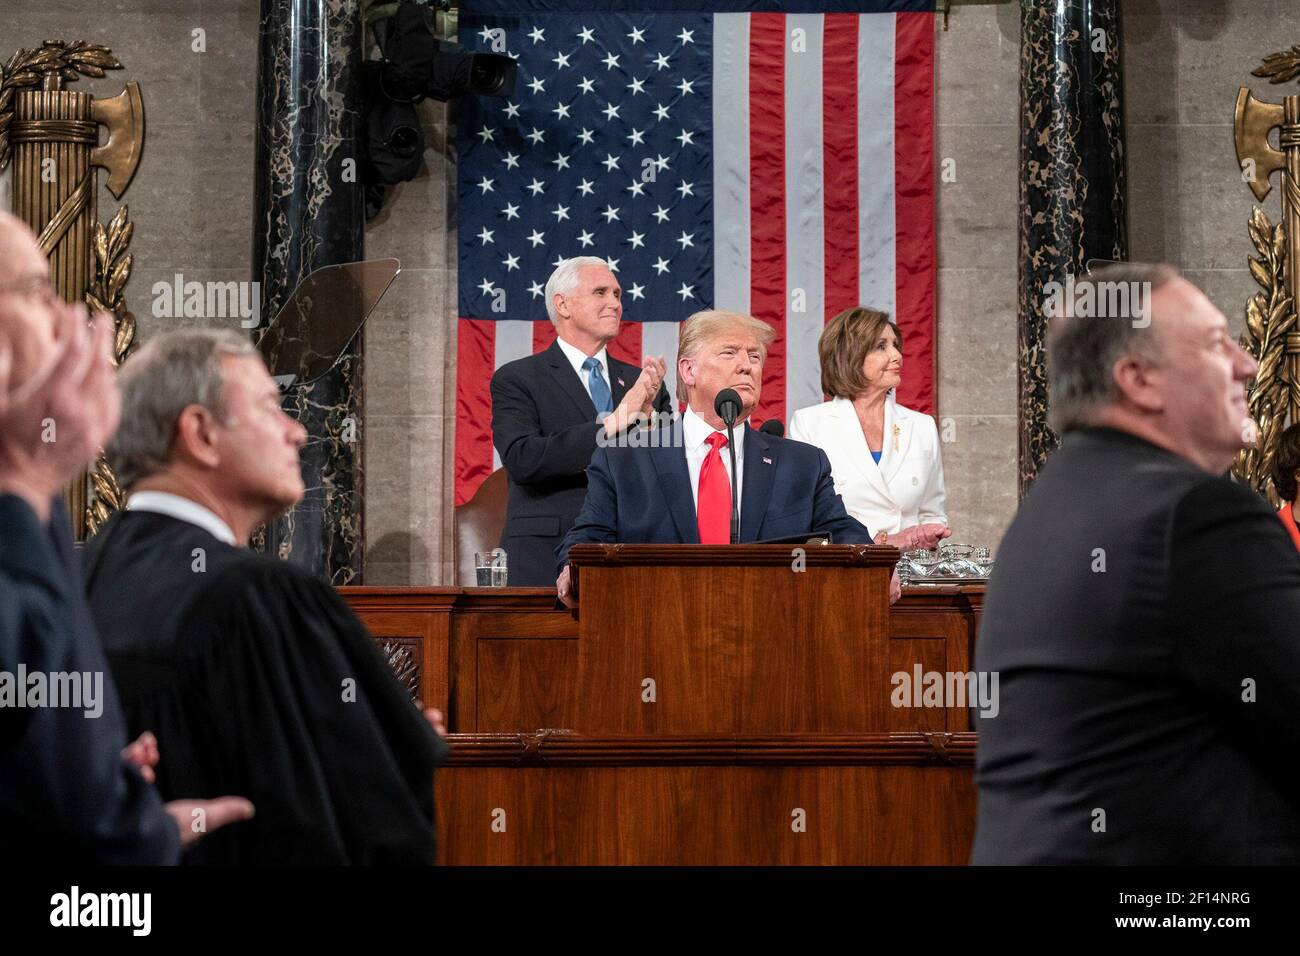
x,y
49,150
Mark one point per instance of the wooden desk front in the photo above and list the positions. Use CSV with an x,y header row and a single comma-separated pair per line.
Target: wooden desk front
x,y
522,787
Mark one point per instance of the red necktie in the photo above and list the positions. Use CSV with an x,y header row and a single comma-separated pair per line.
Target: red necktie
x,y
713,509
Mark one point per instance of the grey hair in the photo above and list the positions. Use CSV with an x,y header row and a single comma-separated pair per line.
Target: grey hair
x,y
565,279
1083,345
171,372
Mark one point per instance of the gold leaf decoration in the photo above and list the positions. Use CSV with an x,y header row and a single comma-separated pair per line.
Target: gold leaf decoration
x,y
112,270
1280,67
26,67
1269,317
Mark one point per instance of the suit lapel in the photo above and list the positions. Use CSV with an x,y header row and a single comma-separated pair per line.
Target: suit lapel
x,y
898,435
761,460
621,378
568,381
849,430
669,461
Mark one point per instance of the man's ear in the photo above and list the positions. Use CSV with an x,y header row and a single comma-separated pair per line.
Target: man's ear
x,y
686,370
1139,384
561,307
196,439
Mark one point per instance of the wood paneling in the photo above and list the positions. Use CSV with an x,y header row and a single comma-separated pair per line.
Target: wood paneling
x,y
772,696
756,641
525,682
802,801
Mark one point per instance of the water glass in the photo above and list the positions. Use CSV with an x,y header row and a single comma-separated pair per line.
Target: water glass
x,y
490,568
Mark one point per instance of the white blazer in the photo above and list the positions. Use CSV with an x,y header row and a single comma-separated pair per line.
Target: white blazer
x,y
905,489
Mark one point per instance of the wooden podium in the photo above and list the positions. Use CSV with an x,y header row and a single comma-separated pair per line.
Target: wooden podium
x,y
705,705
732,639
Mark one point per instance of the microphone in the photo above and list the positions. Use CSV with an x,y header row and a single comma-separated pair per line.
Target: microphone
x,y
772,427
727,405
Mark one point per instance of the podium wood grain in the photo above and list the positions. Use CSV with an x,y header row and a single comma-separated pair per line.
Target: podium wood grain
x,y
739,639
771,739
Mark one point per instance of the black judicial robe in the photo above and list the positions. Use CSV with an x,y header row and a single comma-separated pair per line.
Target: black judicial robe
x,y
259,681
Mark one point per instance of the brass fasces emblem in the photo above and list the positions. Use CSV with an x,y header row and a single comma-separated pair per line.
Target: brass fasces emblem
x,y
49,153
1271,336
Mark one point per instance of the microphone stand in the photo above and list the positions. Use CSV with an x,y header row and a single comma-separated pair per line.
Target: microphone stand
x,y
726,405
735,512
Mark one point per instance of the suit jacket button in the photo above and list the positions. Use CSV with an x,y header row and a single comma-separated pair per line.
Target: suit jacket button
x,y
915,480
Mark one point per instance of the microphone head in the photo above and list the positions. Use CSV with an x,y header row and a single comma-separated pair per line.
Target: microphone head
x,y
773,427
727,405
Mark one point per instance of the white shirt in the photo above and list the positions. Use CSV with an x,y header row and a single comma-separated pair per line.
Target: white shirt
x,y
576,358
182,509
695,434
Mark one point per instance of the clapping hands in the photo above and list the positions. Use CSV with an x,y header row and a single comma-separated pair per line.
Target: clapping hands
x,y
55,417
640,398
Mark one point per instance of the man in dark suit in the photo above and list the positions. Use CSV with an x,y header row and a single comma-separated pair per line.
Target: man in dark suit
x,y
674,486
71,789
255,676
1144,608
549,409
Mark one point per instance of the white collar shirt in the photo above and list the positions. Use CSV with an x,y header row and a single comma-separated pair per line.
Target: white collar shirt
x,y
576,357
695,433
182,509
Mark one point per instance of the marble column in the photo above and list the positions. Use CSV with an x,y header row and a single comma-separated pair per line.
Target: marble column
x,y
1073,196
309,214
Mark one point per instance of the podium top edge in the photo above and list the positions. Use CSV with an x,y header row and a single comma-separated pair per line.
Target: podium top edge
x,y
733,555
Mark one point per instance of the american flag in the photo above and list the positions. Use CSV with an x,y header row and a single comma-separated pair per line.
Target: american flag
x,y
720,156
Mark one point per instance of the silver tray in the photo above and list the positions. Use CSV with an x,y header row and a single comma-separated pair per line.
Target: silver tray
x,y
946,579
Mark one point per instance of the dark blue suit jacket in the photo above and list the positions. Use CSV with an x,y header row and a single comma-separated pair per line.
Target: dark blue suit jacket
x,y
642,495
544,427
1133,596
66,794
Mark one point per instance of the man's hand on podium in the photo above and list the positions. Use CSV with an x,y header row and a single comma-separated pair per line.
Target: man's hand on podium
x,y
562,590
895,587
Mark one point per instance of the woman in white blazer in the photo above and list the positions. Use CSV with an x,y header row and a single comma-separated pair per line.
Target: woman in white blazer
x,y
884,457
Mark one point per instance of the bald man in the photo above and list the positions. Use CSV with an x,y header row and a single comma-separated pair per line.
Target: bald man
x,y
71,789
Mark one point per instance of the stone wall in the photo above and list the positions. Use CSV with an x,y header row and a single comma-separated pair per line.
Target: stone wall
x,y
192,205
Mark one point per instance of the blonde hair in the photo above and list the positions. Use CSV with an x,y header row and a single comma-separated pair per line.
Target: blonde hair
x,y
709,324
844,345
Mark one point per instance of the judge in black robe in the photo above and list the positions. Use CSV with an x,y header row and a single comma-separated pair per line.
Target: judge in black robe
x,y
257,679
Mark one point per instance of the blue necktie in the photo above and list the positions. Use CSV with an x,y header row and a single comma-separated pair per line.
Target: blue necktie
x,y
599,388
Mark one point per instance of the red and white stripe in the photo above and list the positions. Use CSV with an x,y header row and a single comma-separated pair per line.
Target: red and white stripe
x,y
823,198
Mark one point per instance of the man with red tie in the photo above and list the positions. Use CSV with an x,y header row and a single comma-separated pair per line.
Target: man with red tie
x,y
674,487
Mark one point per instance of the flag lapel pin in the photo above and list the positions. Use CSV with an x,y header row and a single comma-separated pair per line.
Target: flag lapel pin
x,y
766,460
